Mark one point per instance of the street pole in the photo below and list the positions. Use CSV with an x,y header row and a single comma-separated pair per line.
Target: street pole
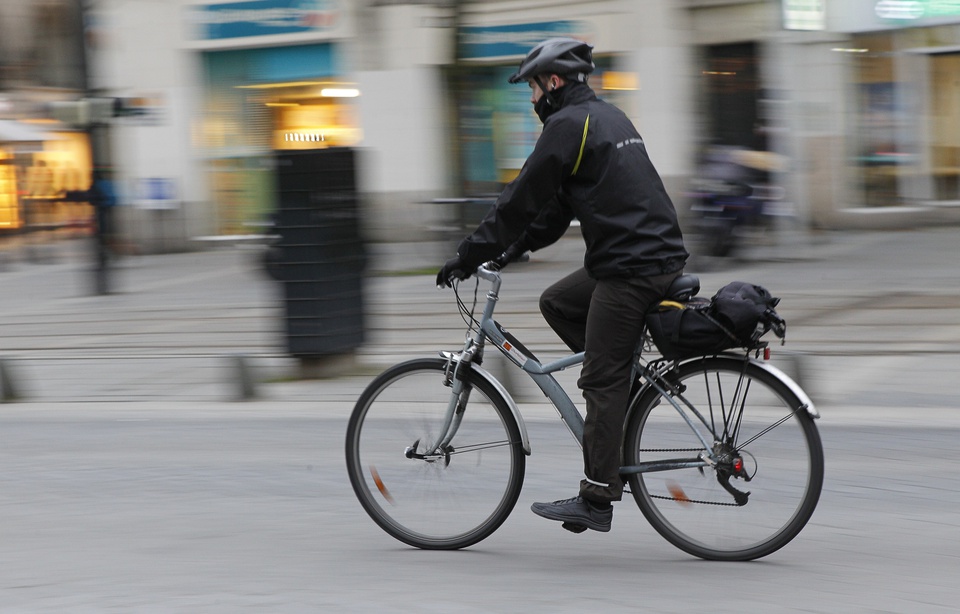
x,y
98,133
454,78
99,144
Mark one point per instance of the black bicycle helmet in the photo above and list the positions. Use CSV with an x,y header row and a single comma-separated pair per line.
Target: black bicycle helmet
x,y
568,57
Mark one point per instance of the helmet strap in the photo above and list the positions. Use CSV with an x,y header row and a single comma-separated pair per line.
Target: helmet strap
x,y
543,88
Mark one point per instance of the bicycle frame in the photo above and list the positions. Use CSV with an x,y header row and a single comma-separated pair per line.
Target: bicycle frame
x,y
542,375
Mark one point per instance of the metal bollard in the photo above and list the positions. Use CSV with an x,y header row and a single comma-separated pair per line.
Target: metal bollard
x,y
9,390
241,378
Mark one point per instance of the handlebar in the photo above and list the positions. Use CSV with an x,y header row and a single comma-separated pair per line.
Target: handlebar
x,y
490,271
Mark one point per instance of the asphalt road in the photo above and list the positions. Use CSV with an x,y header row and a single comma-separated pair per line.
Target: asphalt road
x,y
133,483
247,508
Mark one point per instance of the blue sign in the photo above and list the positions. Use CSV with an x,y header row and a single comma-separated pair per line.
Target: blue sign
x,y
157,193
516,39
267,17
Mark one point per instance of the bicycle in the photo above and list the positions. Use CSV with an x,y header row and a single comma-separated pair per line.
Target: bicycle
x,y
436,447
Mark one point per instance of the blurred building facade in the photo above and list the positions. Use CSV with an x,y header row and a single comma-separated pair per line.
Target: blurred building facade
x,y
857,101
40,159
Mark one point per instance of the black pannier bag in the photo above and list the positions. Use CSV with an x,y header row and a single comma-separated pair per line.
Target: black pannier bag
x,y
737,316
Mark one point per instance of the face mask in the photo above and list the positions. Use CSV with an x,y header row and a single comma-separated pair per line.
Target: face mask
x,y
543,108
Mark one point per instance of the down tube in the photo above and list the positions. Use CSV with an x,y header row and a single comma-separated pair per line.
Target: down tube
x,y
561,400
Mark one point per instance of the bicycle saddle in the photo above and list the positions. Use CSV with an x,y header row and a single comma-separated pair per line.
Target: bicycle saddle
x,y
683,288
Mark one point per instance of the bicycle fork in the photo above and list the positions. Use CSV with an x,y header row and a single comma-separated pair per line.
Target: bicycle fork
x,y
459,396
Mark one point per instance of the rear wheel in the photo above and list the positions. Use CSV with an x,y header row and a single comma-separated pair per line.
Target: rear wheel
x,y
766,481
434,499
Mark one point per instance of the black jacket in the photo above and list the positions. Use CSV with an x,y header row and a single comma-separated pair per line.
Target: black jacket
x,y
589,163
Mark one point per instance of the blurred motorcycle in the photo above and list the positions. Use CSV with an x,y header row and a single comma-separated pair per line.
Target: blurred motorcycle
x,y
731,198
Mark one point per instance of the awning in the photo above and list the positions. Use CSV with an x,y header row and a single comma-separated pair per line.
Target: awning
x,y
13,131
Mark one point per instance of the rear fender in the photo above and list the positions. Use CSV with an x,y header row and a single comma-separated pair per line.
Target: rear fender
x,y
791,385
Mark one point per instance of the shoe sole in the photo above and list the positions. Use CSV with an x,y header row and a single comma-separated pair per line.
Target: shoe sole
x,y
574,522
574,528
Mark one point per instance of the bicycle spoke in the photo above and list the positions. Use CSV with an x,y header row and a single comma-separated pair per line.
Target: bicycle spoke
x,y
763,438
481,446
768,429
419,494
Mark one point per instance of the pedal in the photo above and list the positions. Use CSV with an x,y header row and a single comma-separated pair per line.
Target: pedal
x,y
574,528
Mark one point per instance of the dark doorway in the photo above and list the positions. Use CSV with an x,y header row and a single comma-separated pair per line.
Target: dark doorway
x,y
732,93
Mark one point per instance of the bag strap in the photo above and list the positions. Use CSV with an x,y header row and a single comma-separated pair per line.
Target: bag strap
x,y
725,330
675,336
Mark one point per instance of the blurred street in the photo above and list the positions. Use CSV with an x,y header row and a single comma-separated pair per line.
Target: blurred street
x,y
135,481
873,318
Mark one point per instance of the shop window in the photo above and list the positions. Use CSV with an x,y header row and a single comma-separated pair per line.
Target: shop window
x,y
314,117
498,126
945,125
56,58
883,159
732,93
43,177
9,207
262,100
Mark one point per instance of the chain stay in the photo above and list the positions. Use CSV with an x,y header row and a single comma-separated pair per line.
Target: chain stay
x,y
665,498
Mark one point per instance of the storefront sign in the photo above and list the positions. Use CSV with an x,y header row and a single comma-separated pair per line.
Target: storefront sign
x,y
266,18
909,10
852,16
804,14
488,42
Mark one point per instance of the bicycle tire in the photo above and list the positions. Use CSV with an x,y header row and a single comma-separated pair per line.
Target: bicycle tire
x,y
443,503
690,507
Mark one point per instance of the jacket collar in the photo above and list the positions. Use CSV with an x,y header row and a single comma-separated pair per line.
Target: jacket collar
x,y
571,93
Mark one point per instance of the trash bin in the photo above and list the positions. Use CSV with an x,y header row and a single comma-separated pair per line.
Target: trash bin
x,y
320,256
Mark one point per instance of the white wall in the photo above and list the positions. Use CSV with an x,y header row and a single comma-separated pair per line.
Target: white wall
x,y
663,109
142,57
403,161
814,80
403,129
140,54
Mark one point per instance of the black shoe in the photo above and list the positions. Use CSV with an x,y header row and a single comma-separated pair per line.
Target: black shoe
x,y
576,514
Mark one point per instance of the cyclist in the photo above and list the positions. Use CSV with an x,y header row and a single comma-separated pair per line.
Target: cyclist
x,y
590,163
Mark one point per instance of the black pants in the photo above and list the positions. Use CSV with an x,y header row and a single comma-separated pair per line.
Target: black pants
x,y
603,318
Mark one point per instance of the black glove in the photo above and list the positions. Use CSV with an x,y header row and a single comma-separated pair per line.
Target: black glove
x,y
514,252
454,268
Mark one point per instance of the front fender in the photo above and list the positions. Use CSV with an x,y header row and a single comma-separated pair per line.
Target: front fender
x,y
495,383
484,374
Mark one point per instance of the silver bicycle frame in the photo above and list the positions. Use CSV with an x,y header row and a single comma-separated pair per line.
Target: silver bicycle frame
x,y
542,374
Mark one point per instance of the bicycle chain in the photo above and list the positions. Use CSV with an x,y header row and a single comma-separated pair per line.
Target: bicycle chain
x,y
694,501
686,500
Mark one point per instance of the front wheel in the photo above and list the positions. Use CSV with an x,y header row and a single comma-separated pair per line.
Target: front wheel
x,y
765,473
434,499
